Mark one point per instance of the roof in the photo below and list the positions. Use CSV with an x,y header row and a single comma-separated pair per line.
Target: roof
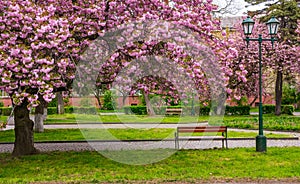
x,y
229,22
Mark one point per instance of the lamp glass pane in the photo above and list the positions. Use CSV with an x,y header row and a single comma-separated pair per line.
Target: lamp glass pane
x,y
245,27
250,27
272,28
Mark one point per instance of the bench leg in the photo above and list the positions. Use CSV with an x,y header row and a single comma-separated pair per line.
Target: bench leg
x,y
226,144
223,143
176,141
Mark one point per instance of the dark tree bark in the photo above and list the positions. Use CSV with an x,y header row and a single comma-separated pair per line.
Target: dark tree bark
x,y
60,103
24,144
150,109
254,99
278,93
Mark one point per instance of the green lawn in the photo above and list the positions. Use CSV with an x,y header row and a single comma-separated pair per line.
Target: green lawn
x,y
229,165
122,134
271,122
82,118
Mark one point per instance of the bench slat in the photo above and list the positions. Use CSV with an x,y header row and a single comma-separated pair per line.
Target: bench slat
x,y
201,130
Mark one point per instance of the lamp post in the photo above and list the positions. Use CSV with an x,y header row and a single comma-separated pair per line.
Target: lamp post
x,y
272,24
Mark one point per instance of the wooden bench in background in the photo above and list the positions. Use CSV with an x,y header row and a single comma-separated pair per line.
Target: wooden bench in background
x,y
173,111
201,129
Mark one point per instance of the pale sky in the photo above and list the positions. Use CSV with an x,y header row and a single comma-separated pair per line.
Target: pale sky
x,y
240,6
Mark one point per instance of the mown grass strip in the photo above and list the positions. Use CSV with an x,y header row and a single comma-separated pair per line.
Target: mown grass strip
x,y
109,134
243,164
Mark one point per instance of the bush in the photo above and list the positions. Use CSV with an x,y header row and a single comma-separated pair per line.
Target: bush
x,y
51,110
268,109
69,110
53,102
5,111
237,110
108,101
204,111
138,110
78,110
285,109
1,104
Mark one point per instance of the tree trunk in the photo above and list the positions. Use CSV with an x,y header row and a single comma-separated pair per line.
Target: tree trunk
x,y
278,93
97,94
98,98
39,118
24,144
60,103
45,113
40,115
253,101
150,109
123,100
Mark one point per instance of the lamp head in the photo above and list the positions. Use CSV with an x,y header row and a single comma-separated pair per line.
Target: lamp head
x,y
248,25
273,25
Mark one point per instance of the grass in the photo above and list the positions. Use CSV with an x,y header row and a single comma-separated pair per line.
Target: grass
x,y
122,134
229,165
271,122
254,109
81,118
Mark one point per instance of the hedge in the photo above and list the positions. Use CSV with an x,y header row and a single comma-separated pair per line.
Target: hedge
x,y
237,110
138,110
230,110
285,109
5,111
51,110
78,110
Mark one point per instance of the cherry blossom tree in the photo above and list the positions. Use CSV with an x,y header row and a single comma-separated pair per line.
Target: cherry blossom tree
x,y
42,41
281,57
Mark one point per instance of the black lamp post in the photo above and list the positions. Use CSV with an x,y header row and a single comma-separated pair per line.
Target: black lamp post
x,y
272,24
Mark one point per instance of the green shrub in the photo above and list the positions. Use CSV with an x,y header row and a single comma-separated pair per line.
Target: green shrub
x,y
204,111
69,109
5,111
237,110
287,109
268,109
108,101
138,110
1,104
53,102
51,110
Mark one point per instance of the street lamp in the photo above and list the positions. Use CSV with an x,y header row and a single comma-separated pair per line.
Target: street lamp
x,y
272,24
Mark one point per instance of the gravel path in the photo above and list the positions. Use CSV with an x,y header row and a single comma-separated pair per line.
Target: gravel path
x,y
144,145
117,145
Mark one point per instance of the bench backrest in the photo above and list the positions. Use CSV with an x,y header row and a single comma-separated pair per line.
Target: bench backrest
x,y
202,129
172,110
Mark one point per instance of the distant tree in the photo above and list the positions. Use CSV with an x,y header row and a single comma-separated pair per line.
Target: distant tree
x,y
288,13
